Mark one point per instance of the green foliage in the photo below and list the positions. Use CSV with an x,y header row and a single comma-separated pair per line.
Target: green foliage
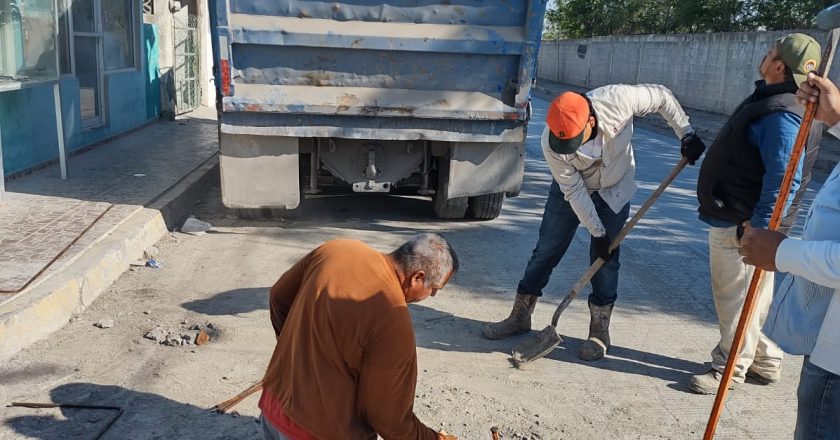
x,y
588,18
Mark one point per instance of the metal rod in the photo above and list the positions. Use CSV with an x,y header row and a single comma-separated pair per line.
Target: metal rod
x,y
59,128
314,164
2,175
424,187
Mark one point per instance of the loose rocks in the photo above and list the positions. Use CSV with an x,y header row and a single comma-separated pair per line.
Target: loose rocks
x,y
105,323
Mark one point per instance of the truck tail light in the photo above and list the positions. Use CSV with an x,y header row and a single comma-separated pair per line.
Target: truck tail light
x,y
225,72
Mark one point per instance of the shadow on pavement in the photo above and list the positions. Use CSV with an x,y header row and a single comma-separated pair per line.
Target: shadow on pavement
x,y
231,302
630,361
145,416
446,332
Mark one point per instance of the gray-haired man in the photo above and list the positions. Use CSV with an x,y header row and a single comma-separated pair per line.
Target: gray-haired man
x,y
345,363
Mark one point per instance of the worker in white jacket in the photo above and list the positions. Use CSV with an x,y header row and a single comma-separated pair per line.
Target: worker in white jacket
x,y
804,318
587,146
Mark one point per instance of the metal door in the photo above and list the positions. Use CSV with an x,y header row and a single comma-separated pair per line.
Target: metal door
x,y
187,89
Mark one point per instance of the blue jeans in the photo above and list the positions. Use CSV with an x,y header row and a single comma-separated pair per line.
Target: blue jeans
x,y
559,223
818,412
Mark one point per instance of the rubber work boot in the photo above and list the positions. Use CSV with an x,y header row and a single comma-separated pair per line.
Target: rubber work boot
x,y
518,322
707,383
596,346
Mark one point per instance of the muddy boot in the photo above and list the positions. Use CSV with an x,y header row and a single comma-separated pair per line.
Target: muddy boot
x,y
518,322
707,383
596,346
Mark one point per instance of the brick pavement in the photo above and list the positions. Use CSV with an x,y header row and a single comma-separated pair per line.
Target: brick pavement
x,y
41,214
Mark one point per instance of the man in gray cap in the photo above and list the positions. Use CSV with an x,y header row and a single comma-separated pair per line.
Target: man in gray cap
x,y
738,184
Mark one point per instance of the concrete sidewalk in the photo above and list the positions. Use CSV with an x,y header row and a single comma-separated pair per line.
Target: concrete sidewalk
x,y
707,125
64,242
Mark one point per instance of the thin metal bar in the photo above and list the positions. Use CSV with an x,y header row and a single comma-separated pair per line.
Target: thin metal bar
x,y
59,128
71,40
2,176
314,164
424,187
100,51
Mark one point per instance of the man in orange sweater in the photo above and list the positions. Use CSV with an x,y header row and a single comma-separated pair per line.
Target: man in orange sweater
x,y
345,363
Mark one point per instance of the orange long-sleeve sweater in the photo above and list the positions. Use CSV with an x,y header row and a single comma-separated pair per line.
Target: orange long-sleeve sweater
x,y
345,363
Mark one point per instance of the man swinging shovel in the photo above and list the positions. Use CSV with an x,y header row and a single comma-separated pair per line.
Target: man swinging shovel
x,y
587,146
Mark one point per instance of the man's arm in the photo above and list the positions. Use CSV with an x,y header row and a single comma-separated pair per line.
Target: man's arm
x,y
388,378
643,99
818,261
775,136
571,183
282,294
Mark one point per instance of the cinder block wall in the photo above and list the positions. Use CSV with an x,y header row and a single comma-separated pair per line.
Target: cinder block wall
x,y
711,72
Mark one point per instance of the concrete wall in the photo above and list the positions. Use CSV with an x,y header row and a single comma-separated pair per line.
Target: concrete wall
x,y
712,72
28,119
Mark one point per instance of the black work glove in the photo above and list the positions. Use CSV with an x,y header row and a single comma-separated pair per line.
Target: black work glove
x,y
602,247
692,147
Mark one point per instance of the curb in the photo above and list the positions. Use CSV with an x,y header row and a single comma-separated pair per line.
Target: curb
x,y
48,305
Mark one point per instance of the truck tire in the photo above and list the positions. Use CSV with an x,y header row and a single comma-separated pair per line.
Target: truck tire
x,y
447,209
486,207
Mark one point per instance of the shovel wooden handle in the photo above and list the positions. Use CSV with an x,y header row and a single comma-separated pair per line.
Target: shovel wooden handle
x,y
751,299
596,266
227,405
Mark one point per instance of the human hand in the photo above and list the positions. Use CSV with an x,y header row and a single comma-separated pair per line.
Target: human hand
x,y
824,93
443,435
759,246
692,147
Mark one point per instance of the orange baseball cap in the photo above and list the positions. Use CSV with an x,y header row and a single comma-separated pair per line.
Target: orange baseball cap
x,y
566,119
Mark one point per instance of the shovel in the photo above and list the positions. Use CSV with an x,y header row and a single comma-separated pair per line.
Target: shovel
x,y
547,339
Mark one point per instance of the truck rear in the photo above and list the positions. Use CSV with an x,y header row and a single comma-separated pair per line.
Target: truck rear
x,y
410,96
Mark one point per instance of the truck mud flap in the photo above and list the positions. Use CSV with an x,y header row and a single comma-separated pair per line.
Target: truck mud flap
x,y
479,168
259,171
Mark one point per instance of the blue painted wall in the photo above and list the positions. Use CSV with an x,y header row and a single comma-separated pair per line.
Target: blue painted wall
x,y
28,120
151,40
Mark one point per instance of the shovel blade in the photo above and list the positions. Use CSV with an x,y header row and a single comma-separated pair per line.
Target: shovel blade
x,y
539,346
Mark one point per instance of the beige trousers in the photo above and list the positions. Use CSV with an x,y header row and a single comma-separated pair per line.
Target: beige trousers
x,y
730,282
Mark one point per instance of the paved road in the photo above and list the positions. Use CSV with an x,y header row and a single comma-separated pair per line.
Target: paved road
x,y
663,327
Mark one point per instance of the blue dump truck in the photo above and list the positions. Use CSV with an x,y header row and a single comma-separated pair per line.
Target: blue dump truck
x,y
405,96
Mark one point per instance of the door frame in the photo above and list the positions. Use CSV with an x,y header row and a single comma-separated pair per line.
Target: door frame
x,y
97,35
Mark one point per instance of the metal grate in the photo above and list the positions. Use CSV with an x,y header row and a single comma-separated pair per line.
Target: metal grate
x,y
187,88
